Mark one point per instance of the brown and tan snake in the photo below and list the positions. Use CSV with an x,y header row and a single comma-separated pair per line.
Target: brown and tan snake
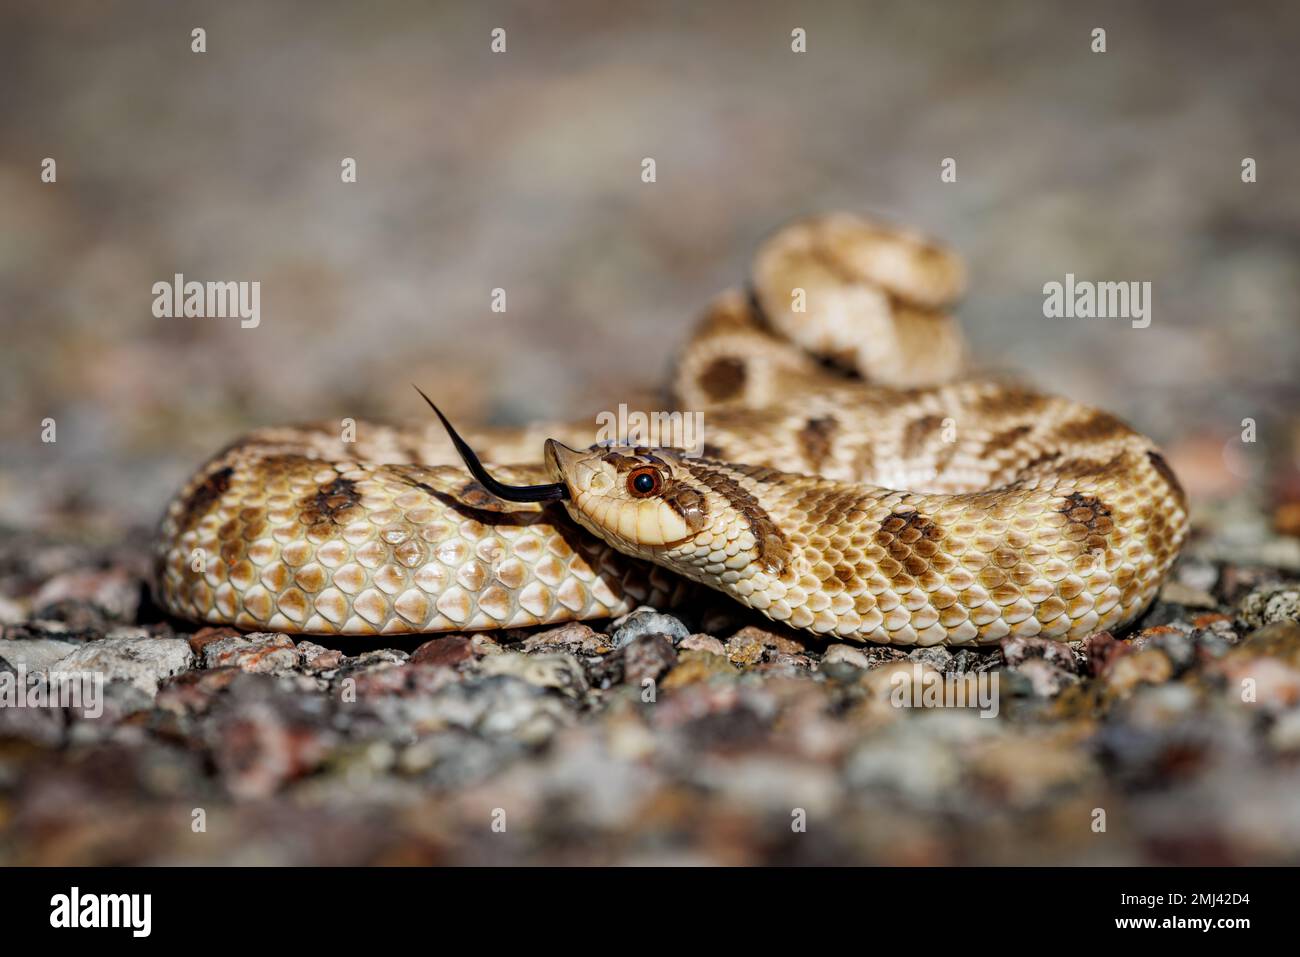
x,y
896,503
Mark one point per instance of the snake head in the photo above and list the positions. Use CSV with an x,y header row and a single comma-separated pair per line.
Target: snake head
x,y
633,498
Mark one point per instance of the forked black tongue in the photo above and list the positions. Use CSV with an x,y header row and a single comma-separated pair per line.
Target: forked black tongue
x,y
510,493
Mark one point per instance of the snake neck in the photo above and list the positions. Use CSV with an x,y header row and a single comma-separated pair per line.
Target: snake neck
x,y
1057,555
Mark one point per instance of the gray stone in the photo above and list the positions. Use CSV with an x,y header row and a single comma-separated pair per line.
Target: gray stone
x,y
909,767
500,706
317,657
10,611
846,654
377,660
36,654
1046,679
1270,603
647,621
1180,649
143,662
1018,651
703,643
647,657
575,637
936,655
560,672
260,653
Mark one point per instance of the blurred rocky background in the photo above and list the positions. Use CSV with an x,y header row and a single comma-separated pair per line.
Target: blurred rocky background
x,y
522,171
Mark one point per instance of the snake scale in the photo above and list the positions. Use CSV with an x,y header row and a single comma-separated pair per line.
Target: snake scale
x,y
855,481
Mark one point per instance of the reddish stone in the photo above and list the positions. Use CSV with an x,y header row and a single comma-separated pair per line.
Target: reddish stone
x,y
787,643
1209,618
447,652
1102,650
258,653
206,636
315,658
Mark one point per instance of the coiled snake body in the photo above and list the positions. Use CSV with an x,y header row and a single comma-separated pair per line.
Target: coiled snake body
x,y
904,505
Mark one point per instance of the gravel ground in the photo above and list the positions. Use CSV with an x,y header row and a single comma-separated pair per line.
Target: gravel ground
x,y
696,736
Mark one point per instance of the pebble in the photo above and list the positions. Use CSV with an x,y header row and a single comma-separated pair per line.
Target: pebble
x,y
316,658
647,621
1047,667
258,653
786,643
1286,519
744,648
1162,613
72,615
558,671
1101,650
1178,646
44,727
845,654
1155,706
36,654
205,636
445,652
702,642
696,666
367,661
1270,604
117,707
1237,582
1046,678
1279,640
647,658
1156,757
1199,576
484,644
936,656
784,665
193,692
114,592
260,739
1016,651
1285,733
451,758
11,612
502,706
576,638
907,766
47,628
1178,593
1268,664
143,662
1026,769
1148,666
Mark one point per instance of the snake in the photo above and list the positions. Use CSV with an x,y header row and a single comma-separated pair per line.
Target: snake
x,y
857,479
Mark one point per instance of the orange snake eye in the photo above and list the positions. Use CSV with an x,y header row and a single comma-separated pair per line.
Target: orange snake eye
x,y
644,482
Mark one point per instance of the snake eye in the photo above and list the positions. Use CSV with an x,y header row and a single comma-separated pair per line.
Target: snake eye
x,y
645,481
